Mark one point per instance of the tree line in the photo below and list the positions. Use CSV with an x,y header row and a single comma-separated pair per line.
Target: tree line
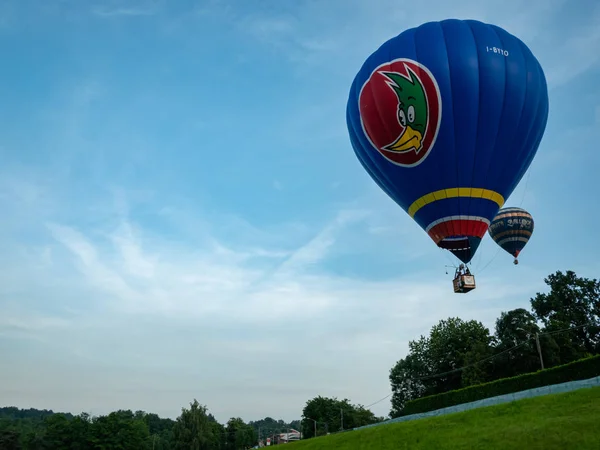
x,y
561,326
195,429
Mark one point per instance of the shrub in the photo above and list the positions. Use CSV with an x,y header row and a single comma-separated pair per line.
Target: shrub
x,y
576,370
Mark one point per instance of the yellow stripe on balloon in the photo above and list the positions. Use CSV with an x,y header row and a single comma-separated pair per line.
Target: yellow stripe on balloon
x,y
454,193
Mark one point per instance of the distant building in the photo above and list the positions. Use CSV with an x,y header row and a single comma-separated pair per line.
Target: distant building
x,y
281,438
291,435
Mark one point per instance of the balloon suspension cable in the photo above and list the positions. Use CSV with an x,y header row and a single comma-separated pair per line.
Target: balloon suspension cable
x,y
449,259
453,267
525,189
477,259
491,260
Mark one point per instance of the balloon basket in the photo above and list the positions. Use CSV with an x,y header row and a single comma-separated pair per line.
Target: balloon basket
x,y
463,284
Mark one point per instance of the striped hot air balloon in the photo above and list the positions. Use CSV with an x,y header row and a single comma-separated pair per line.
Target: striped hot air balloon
x,y
511,229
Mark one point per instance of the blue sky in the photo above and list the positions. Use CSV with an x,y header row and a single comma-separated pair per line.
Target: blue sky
x,y
183,215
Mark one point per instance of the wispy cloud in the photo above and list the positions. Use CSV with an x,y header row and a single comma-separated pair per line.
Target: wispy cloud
x,y
317,249
118,285
571,56
269,28
33,322
143,8
324,38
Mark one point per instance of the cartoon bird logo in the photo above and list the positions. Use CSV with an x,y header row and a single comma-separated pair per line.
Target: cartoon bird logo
x,y
412,111
400,108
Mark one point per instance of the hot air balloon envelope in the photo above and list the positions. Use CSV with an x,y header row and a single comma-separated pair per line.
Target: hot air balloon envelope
x,y
511,229
446,118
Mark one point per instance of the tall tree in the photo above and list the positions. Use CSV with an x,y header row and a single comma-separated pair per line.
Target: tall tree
x,y
330,414
354,416
516,328
573,302
406,384
194,430
433,363
239,434
477,364
119,430
269,427
161,431
450,341
10,439
61,436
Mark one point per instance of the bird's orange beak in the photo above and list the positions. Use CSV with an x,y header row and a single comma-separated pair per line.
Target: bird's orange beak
x,y
409,139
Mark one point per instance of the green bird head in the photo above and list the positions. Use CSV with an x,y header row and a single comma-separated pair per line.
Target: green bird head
x,y
412,111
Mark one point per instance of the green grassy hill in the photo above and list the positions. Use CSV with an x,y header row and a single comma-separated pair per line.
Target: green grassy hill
x,y
559,421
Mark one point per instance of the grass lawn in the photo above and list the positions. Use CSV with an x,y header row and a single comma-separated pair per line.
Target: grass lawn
x,y
560,421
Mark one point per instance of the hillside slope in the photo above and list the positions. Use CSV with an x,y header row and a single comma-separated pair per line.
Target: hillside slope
x,y
559,421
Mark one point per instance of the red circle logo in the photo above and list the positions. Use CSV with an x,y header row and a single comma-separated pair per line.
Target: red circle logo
x,y
400,111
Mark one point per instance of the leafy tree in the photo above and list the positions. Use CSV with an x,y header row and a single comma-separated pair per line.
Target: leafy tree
x,y
450,342
59,434
9,439
194,430
118,430
315,415
517,327
477,364
329,413
27,424
432,364
34,439
573,302
160,430
239,434
355,415
406,385
269,427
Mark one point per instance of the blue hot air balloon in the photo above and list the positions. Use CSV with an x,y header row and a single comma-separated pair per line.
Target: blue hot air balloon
x,y
446,118
511,229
